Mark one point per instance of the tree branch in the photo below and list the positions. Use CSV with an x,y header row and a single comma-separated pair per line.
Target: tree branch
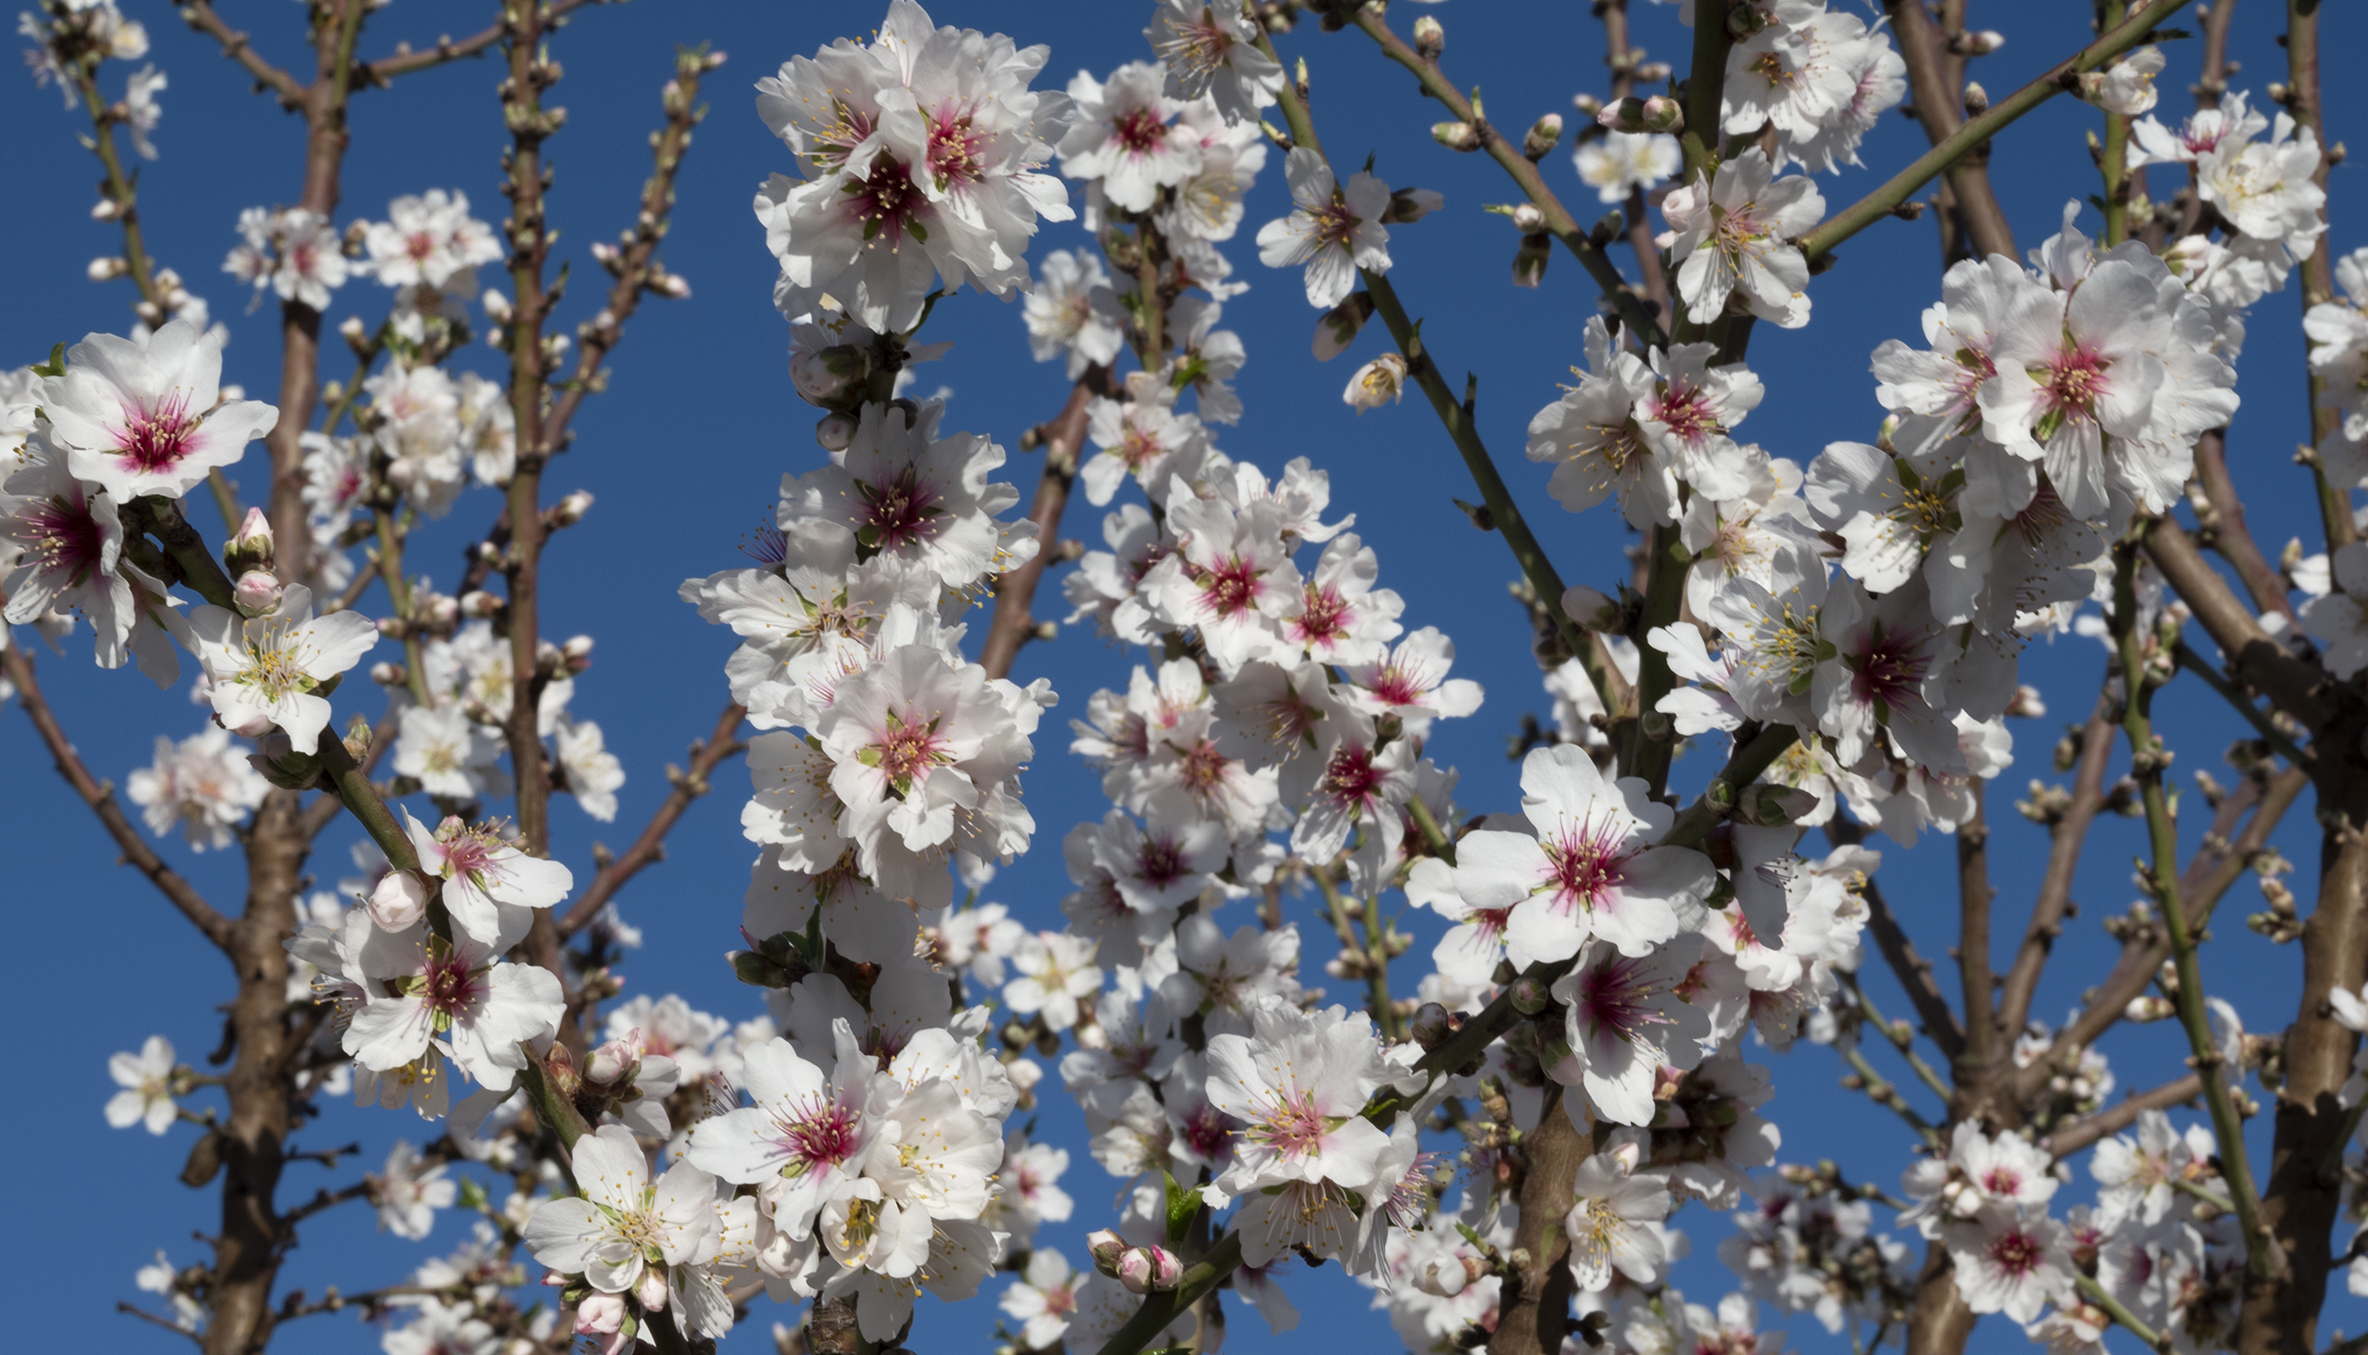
x,y
1014,623
2255,657
201,16
650,847
100,796
1960,143
2082,1132
1913,971
2066,837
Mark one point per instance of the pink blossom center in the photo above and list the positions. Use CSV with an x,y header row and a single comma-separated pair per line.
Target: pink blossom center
x,y
1162,862
1618,997
1891,672
2072,382
2016,1253
1325,617
906,752
155,438
822,1134
1139,131
2002,1182
885,200
1588,863
897,511
1293,1127
1685,410
450,987
1350,778
64,539
1231,588
954,148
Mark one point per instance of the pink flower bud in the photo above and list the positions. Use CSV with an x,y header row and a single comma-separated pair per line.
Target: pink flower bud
x,y
613,1060
835,432
1664,114
600,1314
399,901
479,604
257,592
1430,38
652,1290
1149,1270
252,547
497,306
104,270
1625,116
1591,609
570,510
1105,1247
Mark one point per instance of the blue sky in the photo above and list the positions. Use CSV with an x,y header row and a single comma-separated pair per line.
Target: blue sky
x,y
686,448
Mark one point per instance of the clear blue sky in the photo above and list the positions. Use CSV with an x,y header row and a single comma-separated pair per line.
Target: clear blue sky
x,y
685,450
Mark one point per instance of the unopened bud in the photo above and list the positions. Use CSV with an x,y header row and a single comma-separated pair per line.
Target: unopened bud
x,y
1105,1247
1977,99
570,510
478,604
831,376
1529,261
1412,204
1654,73
105,209
2150,1008
399,901
108,269
2027,703
1544,135
1664,114
1529,995
1430,1026
577,650
257,592
353,331
610,1063
389,674
1590,609
497,306
252,547
1527,219
669,285
434,610
1338,327
835,432
1982,43
1456,136
1430,38
1587,104
1625,116
652,1289
1149,1270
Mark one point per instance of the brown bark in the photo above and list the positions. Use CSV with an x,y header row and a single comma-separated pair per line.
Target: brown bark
x,y
1941,1323
254,1137
1014,621
1940,107
1533,1307
2299,1206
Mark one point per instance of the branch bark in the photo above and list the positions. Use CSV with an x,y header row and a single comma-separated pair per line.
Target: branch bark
x,y
2066,837
1014,622
100,796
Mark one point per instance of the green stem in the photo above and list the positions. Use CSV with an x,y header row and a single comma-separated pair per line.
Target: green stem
x,y
1928,166
1906,1047
361,800
1377,975
118,186
1744,766
398,588
2146,756
225,502
1441,845
2115,164
2099,1297
1879,1090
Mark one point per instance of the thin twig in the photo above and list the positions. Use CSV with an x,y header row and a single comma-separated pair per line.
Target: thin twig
x,y
650,847
2066,836
2079,1134
100,796
201,16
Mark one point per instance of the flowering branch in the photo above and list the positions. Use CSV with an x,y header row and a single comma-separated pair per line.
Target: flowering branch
x,y
1962,142
100,796
2114,1308
2318,271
